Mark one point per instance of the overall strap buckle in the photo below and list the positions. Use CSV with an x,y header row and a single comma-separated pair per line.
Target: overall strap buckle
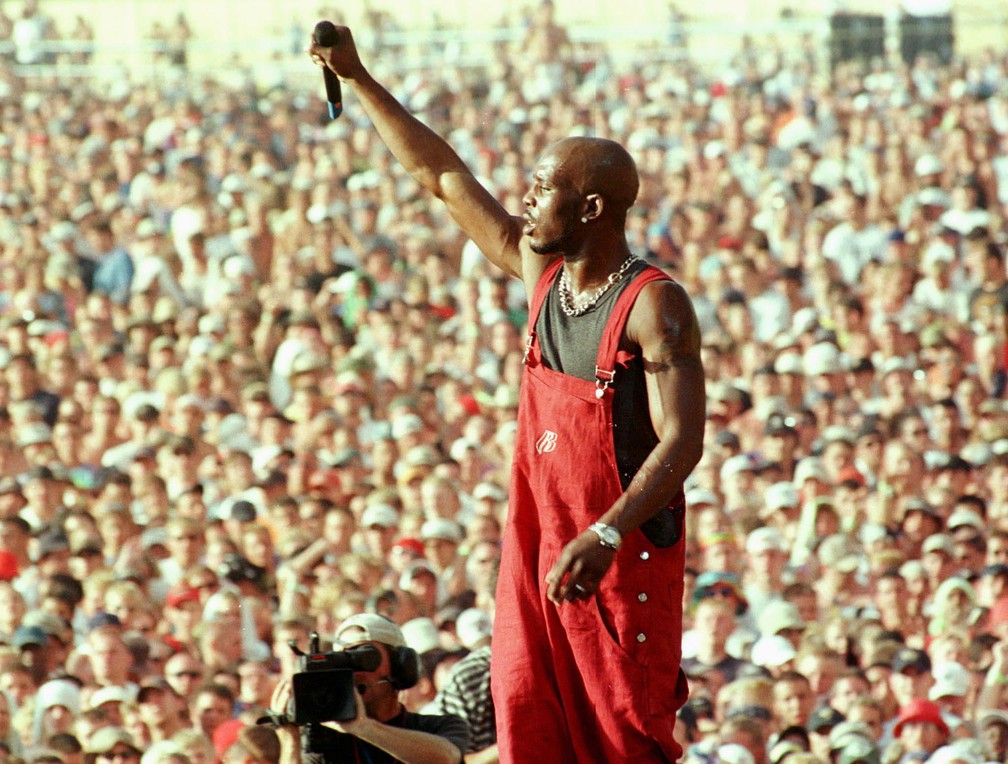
x,y
603,379
528,347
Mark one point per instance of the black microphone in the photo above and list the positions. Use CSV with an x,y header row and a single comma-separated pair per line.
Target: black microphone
x,y
326,36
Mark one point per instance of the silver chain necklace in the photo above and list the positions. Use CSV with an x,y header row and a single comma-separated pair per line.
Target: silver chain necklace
x,y
567,298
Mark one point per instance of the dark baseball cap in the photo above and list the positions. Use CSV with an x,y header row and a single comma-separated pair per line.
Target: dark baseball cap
x,y
29,636
823,719
909,657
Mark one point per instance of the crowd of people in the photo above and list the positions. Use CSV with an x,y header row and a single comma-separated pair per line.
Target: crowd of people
x,y
253,381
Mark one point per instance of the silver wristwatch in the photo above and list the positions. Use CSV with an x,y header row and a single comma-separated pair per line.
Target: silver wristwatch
x,y
608,536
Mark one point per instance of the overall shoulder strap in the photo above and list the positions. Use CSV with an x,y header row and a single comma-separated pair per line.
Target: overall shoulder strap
x,y
605,361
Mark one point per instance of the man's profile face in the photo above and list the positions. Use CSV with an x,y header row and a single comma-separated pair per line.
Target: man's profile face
x,y
551,207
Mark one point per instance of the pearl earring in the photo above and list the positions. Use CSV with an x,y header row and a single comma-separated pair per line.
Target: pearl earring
x,y
584,219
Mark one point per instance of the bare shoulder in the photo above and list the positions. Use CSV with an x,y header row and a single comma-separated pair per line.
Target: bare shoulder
x,y
664,325
533,265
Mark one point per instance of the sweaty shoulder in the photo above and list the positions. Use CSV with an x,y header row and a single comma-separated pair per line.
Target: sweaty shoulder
x,y
533,265
663,323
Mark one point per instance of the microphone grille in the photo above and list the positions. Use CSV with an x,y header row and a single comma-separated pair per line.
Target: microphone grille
x,y
325,34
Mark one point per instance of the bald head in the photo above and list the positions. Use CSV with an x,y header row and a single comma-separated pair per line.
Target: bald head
x,y
599,166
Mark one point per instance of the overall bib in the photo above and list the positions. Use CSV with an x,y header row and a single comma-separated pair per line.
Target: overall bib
x,y
596,680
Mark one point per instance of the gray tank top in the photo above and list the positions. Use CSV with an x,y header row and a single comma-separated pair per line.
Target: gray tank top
x,y
570,345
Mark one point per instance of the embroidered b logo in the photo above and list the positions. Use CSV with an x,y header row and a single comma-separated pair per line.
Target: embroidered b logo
x,y
546,443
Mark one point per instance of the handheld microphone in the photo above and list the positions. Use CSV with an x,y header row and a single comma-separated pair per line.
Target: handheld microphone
x,y
326,36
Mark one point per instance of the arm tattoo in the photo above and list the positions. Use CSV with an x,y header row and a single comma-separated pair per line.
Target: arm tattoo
x,y
679,349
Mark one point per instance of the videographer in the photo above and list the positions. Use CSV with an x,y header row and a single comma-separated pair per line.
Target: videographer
x,y
383,730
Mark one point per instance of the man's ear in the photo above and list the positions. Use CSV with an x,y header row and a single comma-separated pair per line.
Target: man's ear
x,y
593,206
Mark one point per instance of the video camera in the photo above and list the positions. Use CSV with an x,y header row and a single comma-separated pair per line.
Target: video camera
x,y
323,687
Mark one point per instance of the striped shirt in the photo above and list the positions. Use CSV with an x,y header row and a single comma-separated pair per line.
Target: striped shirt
x,y
466,693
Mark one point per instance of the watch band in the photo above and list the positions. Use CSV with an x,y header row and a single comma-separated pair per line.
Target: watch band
x,y
609,536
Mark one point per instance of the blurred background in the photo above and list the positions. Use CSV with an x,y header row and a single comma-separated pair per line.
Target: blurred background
x,y
262,41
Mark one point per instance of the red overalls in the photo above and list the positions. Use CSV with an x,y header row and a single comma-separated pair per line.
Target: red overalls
x,y
596,680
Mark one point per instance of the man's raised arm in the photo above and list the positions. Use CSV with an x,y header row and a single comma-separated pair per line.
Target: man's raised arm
x,y
428,158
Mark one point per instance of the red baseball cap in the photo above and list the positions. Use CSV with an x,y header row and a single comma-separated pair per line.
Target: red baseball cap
x,y
181,593
920,710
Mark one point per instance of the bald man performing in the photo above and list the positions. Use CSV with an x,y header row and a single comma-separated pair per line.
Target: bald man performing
x,y
586,644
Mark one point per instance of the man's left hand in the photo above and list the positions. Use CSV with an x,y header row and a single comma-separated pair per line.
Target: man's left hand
x,y
579,569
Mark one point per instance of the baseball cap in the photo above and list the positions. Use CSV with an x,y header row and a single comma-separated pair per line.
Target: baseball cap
x,y
779,424
473,626
772,651
696,496
29,636
911,657
382,515
810,468
960,751
996,569
410,572
406,424
846,732
154,684
782,749
928,164
305,363
491,491
777,616
840,552
412,472
804,320
51,624
964,516
369,627
938,542
749,711
181,593
722,584
920,710
421,634
836,433
727,438
859,750
441,528
824,719
780,495
951,679
106,739
101,619
765,539
8,565
993,716
822,358
737,464
933,197
34,434
411,544
789,362
734,753
111,694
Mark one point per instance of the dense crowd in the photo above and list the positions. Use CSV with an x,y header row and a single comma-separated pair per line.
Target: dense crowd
x,y
253,382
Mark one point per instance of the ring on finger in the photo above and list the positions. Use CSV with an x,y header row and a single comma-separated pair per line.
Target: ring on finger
x,y
580,589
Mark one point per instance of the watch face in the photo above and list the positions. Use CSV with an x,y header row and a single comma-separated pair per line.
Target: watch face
x,y
609,535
